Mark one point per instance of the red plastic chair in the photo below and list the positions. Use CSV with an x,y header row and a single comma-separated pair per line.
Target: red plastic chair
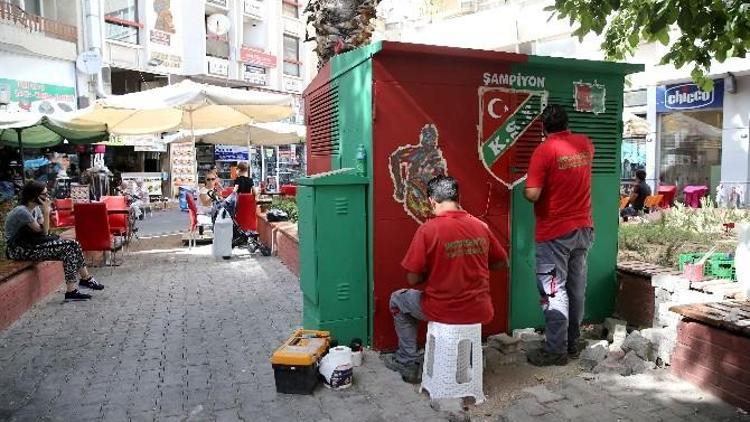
x,y
193,216
93,231
288,190
63,216
246,214
668,193
118,223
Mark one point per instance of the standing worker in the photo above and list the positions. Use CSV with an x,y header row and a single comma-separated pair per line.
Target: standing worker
x,y
559,185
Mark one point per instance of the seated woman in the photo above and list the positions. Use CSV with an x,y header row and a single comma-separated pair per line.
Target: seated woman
x,y
27,237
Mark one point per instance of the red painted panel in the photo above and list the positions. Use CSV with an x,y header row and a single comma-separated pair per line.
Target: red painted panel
x,y
410,93
320,87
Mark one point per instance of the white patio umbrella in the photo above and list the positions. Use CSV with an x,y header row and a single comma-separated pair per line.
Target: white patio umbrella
x,y
185,105
265,134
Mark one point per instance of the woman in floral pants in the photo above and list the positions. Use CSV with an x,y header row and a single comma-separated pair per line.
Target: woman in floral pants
x,y
26,233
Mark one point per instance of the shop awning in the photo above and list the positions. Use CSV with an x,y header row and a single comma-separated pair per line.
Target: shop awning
x,y
40,131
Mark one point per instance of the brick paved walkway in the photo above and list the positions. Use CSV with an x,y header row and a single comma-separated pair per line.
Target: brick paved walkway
x,y
178,336
655,396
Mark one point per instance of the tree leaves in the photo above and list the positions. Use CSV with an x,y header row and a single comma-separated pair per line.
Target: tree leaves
x,y
709,29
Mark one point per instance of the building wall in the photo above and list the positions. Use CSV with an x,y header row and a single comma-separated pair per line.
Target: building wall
x,y
735,159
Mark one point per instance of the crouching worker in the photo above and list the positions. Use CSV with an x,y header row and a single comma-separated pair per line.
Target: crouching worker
x,y
451,256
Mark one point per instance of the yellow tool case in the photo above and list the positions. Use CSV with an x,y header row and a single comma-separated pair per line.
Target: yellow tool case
x,y
295,363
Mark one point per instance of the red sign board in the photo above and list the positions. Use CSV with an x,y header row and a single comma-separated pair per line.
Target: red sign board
x,y
257,56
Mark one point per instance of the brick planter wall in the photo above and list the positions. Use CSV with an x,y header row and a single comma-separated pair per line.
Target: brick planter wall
x,y
22,290
715,360
282,236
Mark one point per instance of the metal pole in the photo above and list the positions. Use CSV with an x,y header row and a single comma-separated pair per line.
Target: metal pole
x,y
20,155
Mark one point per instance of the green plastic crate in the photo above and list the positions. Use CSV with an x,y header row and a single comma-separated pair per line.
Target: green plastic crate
x,y
722,270
717,257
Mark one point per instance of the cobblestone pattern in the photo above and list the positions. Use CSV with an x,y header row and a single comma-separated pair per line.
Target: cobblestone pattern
x,y
654,396
179,336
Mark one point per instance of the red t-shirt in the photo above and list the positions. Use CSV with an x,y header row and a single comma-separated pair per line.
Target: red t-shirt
x,y
561,166
454,251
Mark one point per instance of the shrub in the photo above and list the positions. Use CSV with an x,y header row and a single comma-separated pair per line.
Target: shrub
x,y
288,205
680,230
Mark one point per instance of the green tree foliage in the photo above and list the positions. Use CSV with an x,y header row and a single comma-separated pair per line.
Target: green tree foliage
x,y
709,29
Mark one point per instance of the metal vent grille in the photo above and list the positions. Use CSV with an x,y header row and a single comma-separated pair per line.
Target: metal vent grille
x,y
323,124
603,129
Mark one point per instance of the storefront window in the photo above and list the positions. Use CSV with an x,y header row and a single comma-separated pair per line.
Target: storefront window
x,y
690,148
121,20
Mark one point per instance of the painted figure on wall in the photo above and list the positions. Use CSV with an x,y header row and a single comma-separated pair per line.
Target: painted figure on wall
x,y
164,19
412,167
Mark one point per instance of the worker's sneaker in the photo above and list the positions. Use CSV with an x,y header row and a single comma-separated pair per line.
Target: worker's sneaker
x,y
91,283
76,295
542,357
410,372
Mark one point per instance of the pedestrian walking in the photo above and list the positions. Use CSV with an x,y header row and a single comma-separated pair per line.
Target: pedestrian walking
x,y
559,185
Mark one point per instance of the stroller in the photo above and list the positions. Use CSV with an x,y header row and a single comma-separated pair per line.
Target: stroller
x,y
240,238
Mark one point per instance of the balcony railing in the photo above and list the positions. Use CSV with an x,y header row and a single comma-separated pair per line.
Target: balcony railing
x,y
13,14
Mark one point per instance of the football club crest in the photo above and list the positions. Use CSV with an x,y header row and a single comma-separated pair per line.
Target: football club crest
x,y
590,98
505,115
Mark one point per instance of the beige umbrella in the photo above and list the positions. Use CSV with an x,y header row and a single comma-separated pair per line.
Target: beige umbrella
x,y
266,134
185,105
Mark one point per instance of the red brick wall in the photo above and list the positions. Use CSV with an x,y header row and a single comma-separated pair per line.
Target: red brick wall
x,y
288,250
21,291
283,237
635,299
715,360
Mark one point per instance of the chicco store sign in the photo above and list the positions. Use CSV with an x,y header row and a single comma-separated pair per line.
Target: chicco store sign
x,y
688,97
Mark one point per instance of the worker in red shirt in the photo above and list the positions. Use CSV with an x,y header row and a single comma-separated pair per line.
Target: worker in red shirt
x,y
559,185
451,256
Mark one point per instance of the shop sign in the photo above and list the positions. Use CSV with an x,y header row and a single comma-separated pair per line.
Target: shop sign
x,y
254,9
36,97
231,153
217,66
164,38
255,75
160,37
688,97
257,56
292,84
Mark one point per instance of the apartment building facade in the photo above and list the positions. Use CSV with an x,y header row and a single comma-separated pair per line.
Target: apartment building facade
x,y
694,138
37,55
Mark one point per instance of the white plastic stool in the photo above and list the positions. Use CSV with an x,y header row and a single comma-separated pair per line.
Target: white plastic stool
x,y
453,361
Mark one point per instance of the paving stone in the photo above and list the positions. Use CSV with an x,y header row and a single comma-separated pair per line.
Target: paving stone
x,y
543,395
170,337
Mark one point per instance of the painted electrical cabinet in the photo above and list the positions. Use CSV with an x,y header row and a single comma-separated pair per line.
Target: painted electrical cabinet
x,y
420,111
333,260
